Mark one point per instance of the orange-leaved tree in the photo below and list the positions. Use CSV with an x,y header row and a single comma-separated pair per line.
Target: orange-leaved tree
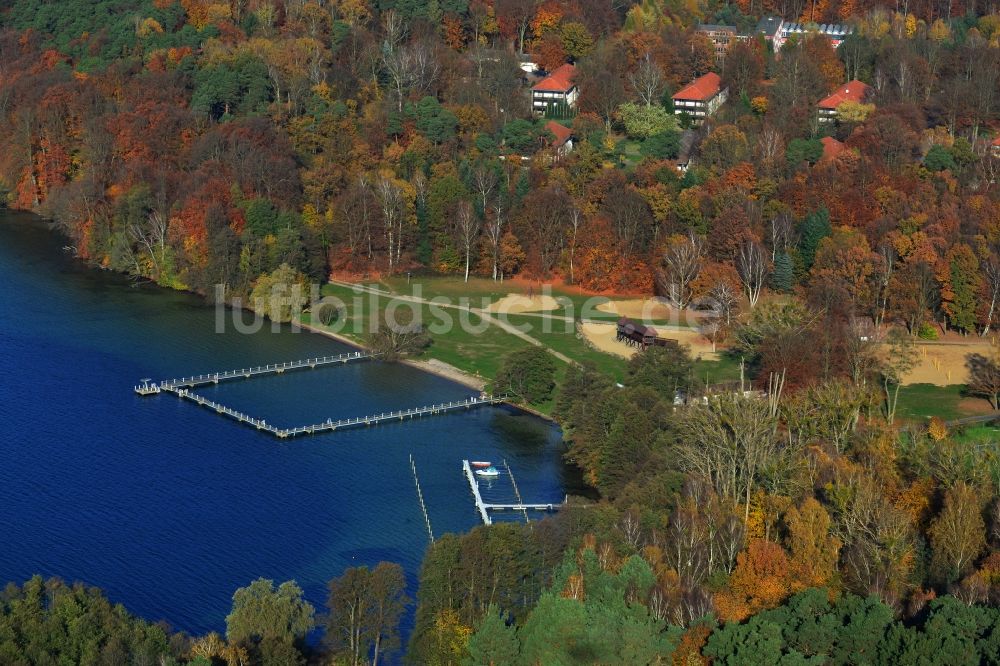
x,y
760,581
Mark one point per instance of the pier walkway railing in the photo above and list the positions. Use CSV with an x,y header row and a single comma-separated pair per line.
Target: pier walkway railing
x,y
147,388
398,415
182,389
341,424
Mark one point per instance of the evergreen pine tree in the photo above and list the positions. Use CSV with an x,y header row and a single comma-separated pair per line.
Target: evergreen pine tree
x,y
522,188
815,227
495,641
783,276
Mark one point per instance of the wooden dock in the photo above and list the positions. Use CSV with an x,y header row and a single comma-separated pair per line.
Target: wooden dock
x,y
484,508
152,388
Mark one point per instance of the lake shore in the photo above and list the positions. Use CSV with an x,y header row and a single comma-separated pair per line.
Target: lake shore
x,y
433,366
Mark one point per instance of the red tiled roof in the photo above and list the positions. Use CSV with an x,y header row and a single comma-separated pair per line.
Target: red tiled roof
x,y
831,147
561,133
560,80
853,91
996,141
701,89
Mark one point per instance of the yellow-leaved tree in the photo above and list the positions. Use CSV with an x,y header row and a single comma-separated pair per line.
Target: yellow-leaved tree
x,y
814,551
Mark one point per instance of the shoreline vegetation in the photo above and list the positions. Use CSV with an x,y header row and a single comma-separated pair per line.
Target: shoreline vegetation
x,y
832,199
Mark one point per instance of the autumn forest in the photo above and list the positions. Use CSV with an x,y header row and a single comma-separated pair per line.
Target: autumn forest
x,y
809,521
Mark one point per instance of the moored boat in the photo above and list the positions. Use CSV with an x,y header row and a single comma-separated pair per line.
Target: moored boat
x,y
481,464
490,472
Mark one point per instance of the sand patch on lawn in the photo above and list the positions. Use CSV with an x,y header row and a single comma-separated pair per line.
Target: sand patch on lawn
x,y
602,337
943,364
639,308
646,309
517,303
973,406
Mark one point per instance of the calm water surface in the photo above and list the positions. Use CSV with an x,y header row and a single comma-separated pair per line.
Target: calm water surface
x,y
169,507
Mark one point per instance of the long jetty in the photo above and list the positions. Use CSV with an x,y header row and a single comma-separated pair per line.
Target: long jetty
x,y
484,508
147,388
341,424
182,389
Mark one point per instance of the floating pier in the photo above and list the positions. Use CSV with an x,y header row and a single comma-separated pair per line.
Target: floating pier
x,y
341,424
147,387
182,389
484,508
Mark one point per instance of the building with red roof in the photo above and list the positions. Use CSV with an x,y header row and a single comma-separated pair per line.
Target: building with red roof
x,y
852,91
557,88
701,97
995,147
561,139
831,148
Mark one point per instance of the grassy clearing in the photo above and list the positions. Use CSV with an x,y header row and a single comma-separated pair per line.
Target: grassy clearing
x,y
563,338
478,289
480,351
482,292
629,153
919,402
726,369
979,434
477,348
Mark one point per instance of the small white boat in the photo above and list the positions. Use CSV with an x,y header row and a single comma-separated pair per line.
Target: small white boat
x,y
481,464
490,472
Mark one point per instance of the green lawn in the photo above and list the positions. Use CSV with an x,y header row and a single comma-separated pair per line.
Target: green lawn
x,y
477,351
480,351
451,287
977,434
919,402
483,291
629,152
726,369
563,338
478,289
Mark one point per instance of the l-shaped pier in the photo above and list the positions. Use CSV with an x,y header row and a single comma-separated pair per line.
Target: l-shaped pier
x,y
182,389
484,508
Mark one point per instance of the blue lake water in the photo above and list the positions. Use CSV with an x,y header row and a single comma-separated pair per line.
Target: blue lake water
x,y
169,507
